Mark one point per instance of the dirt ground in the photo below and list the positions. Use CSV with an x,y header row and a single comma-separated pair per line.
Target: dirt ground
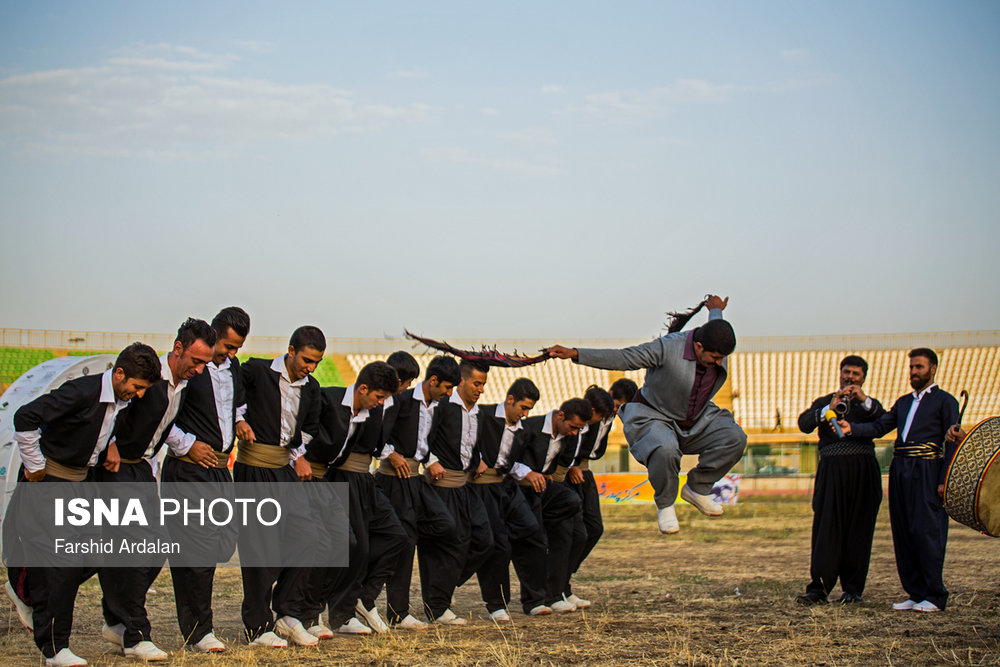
x,y
719,593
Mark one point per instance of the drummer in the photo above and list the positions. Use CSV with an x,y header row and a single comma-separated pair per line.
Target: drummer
x,y
916,481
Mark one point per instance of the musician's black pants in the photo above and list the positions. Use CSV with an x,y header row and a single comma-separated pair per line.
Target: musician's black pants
x,y
919,528
846,498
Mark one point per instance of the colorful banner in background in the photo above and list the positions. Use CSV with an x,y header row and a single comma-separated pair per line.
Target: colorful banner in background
x,y
634,487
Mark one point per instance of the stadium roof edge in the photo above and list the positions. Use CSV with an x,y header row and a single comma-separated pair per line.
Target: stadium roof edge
x,y
97,340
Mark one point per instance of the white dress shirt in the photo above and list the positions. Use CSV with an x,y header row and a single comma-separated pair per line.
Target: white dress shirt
x,y
517,469
470,428
291,393
555,441
356,419
423,426
917,397
174,390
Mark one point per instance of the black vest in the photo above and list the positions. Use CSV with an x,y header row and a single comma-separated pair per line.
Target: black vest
x,y
491,430
445,439
263,399
335,421
70,419
198,414
136,426
537,446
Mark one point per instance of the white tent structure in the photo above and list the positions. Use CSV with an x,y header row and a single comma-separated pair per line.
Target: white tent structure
x,y
40,380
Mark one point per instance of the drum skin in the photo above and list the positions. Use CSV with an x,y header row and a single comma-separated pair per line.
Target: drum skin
x,y
972,484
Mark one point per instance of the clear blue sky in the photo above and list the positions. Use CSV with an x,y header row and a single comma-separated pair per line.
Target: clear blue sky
x,y
500,170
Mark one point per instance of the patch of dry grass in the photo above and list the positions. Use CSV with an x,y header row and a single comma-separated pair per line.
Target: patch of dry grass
x,y
719,593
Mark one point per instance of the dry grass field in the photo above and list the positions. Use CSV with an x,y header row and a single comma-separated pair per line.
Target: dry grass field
x,y
719,593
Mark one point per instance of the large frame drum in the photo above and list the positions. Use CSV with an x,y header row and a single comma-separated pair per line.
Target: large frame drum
x,y
972,484
41,379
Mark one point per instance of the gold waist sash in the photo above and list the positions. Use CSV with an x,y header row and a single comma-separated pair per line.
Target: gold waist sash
x,y
491,476
261,456
560,474
385,468
585,464
318,469
221,459
356,463
922,450
69,473
132,461
453,479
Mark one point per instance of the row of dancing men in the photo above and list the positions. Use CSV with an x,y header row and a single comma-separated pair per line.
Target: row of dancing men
x,y
497,487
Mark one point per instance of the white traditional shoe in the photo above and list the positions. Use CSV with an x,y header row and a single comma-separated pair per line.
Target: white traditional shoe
x,y
666,518
114,634
449,618
23,610
704,504
270,640
65,658
500,616
562,607
146,651
410,622
371,617
354,627
320,631
926,606
540,610
292,629
209,644
906,605
579,602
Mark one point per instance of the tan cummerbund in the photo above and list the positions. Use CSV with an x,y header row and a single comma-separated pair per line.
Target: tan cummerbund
x,y
453,479
490,476
385,468
131,462
69,473
221,459
584,464
261,456
357,463
318,469
560,474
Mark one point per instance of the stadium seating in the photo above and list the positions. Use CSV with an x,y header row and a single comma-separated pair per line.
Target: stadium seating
x,y
15,361
766,384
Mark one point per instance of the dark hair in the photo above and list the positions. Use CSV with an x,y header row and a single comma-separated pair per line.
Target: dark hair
x,y
855,360
193,330
716,336
378,376
234,318
624,389
523,388
406,366
925,352
445,369
599,400
139,361
308,336
577,407
465,368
